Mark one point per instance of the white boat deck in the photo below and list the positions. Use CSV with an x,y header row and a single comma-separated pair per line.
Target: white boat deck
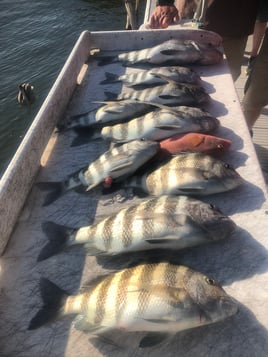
x,y
240,263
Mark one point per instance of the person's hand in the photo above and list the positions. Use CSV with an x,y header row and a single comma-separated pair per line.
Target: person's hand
x,y
163,16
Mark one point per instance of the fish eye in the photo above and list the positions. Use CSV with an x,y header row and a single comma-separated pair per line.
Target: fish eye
x,y
210,281
227,166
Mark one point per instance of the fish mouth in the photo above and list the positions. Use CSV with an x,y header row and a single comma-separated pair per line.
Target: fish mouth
x,y
221,228
228,306
233,181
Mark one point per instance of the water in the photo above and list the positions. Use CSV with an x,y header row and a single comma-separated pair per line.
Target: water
x,y
36,38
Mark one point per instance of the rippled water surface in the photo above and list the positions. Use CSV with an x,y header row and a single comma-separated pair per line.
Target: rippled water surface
x,y
36,37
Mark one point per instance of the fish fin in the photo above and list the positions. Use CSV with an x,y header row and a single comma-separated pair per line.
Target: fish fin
x,y
166,96
190,190
57,235
161,241
165,78
168,127
110,95
123,164
170,52
153,338
105,102
106,339
110,78
113,111
57,189
81,323
91,250
53,299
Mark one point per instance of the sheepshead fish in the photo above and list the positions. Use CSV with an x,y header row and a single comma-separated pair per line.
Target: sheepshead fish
x,y
171,52
168,222
193,141
163,298
117,163
154,76
161,123
194,174
168,94
111,112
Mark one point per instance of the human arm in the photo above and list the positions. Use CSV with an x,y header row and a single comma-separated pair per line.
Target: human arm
x,y
164,14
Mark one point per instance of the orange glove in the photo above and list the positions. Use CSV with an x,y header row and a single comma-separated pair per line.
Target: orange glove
x,y
163,16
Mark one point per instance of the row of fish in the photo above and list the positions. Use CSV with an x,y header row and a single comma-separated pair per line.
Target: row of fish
x,y
189,173
158,298
159,124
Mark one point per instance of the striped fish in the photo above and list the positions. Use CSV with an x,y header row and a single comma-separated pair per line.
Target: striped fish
x,y
152,298
160,124
111,112
168,222
154,76
117,163
194,174
171,52
168,94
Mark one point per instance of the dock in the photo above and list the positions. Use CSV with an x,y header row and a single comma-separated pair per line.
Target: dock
x,y
260,129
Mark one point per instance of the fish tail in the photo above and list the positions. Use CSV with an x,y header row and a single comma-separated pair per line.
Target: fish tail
x,y
57,189
104,60
110,78
110,95
85,135
53,299
58,237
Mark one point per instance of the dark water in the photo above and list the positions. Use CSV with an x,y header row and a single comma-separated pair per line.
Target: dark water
x,y
36,38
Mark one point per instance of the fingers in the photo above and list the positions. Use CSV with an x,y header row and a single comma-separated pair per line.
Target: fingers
x,y
154,23
163,16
